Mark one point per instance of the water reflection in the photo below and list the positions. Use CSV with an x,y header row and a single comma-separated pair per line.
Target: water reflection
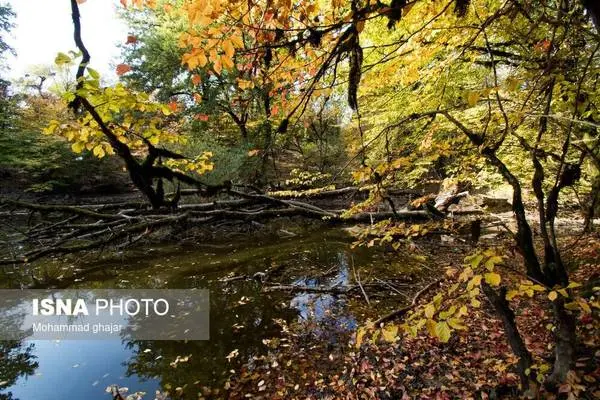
x,y
241,315
326,316
16,361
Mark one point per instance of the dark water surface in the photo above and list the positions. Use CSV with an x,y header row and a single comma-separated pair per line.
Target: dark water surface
x,y
241,316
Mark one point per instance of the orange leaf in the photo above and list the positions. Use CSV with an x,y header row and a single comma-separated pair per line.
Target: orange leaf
x,y
80,1
196,79
198,97
124,3
202,117
123,69
131,39
173,106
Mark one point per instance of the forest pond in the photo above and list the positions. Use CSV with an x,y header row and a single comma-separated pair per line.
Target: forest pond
x,y
241,313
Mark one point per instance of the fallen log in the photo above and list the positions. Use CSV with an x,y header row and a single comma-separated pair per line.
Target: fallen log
x,y
61,208
379,216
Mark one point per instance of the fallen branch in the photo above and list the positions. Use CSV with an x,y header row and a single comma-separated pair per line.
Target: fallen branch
x,y
404,310
61,208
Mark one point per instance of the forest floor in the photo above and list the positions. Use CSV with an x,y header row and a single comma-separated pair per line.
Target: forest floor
x,y
476,363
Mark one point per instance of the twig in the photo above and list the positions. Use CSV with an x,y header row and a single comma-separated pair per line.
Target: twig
x,y
404,310
357,279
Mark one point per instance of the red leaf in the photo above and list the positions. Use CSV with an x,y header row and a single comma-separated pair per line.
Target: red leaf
x,y
123,69
202,117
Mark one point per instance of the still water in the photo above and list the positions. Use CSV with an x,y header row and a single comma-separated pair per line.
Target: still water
x,y
241,315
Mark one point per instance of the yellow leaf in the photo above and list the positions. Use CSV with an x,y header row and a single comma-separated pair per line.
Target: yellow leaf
x,y
78,147
217,67
475,281
237,41
552,295
512,294
492,261
472,98
360,333
244,84
493,278
228,48
99,151
456,323
442,331
429,310
201,58
431,325
390,333
227,61
584,306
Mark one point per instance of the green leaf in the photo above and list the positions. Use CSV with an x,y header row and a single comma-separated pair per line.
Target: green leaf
x,y
93,73
474,260
62,59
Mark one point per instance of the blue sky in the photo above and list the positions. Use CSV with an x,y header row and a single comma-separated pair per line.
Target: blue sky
x,y
44,28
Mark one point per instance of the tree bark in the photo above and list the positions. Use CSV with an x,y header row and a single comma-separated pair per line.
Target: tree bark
x,y
565,340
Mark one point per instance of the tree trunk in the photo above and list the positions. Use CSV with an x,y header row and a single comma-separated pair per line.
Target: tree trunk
x,y
565,339
506,314
594,202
